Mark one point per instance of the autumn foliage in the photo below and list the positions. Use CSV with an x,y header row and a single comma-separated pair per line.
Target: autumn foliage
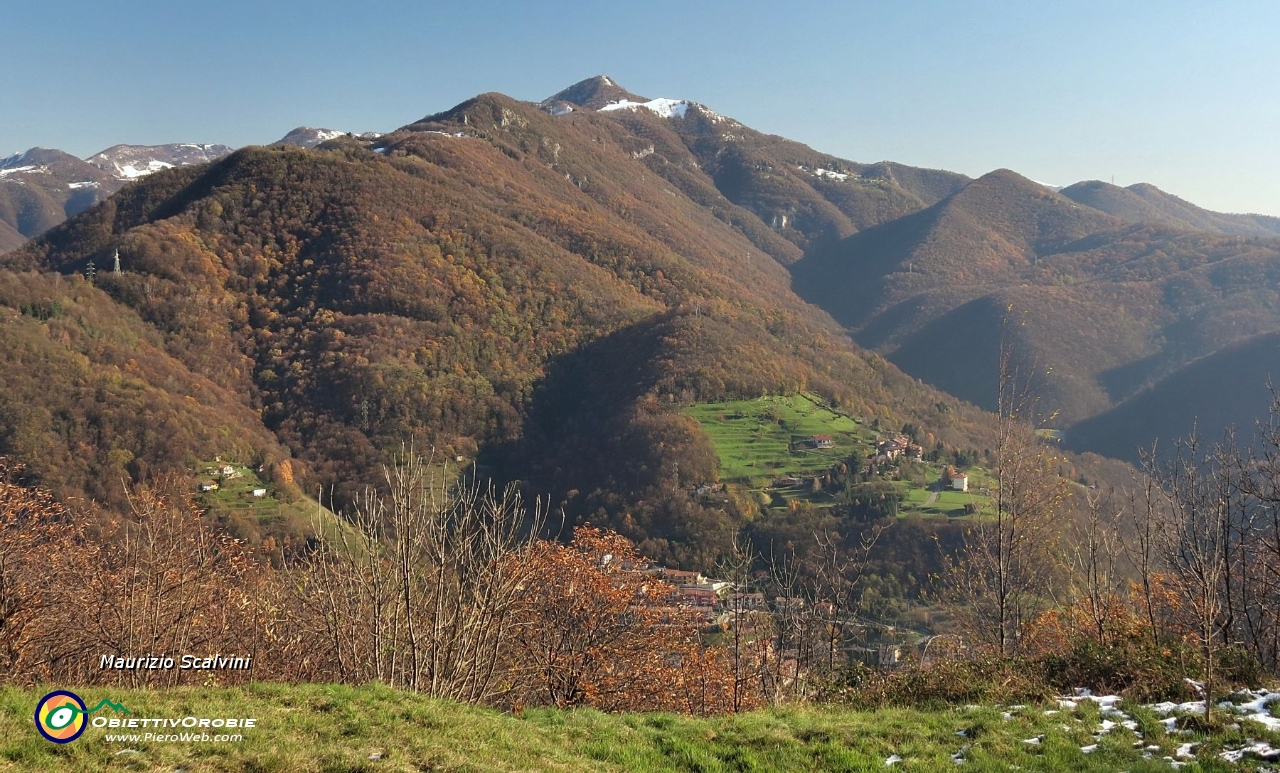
x,y
157,582
596,631
438,596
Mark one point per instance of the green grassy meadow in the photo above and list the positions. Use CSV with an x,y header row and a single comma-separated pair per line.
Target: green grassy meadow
x,y
339,729
947,504
753,437
754,442
236,493
243,513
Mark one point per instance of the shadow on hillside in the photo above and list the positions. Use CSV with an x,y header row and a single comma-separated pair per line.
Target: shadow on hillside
x,y
958,352
845,278
1195,397
576,431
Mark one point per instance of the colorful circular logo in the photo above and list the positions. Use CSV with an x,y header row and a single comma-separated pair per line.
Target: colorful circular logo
x,y
60,716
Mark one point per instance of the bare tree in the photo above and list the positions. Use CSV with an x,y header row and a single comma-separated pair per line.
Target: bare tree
x,y
165,584
1010,557
1141,545
781,667
747,623
1095,552
836,571
43,555
420,590
346,592
1258,474
1194,541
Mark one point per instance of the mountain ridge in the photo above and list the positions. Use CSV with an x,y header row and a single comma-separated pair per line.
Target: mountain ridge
x,y
516,288
1145,203
535,252
129,162
1113,305
837,210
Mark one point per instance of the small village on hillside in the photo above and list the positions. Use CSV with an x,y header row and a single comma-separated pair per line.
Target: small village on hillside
x,y
797,449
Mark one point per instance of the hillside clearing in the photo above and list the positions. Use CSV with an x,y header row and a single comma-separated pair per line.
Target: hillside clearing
x,y
771,439
754,438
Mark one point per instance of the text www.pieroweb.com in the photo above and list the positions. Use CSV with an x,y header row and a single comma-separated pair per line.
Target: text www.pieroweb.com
x,y
188,729
174,737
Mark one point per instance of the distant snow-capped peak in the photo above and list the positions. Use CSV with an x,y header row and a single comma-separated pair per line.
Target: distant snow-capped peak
x,y
129,162
309,137
19,163
33,160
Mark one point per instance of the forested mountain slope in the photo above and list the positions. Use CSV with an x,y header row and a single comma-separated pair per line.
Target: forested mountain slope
x,y
502,284
1108,308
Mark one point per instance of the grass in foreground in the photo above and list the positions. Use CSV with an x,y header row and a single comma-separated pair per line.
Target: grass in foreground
x,y
339,729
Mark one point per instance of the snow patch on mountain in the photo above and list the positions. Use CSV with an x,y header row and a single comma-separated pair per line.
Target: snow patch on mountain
x,y
309,137
28,169
667,108
131,172
33,161
829,173
713,116
129,162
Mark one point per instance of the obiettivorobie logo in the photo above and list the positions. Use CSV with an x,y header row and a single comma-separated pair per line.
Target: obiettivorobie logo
x,y
61,716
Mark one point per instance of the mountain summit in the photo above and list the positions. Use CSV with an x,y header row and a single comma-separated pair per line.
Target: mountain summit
x,y
309,137
593,94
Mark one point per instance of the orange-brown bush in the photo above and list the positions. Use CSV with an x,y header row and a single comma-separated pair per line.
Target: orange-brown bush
x,y
157,583
596,631
43,554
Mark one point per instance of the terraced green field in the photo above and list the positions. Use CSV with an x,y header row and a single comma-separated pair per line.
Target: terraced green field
x,y
753,438
759,441
233,501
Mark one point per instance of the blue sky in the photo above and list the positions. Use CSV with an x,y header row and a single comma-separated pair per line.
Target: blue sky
x,y
1182,95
